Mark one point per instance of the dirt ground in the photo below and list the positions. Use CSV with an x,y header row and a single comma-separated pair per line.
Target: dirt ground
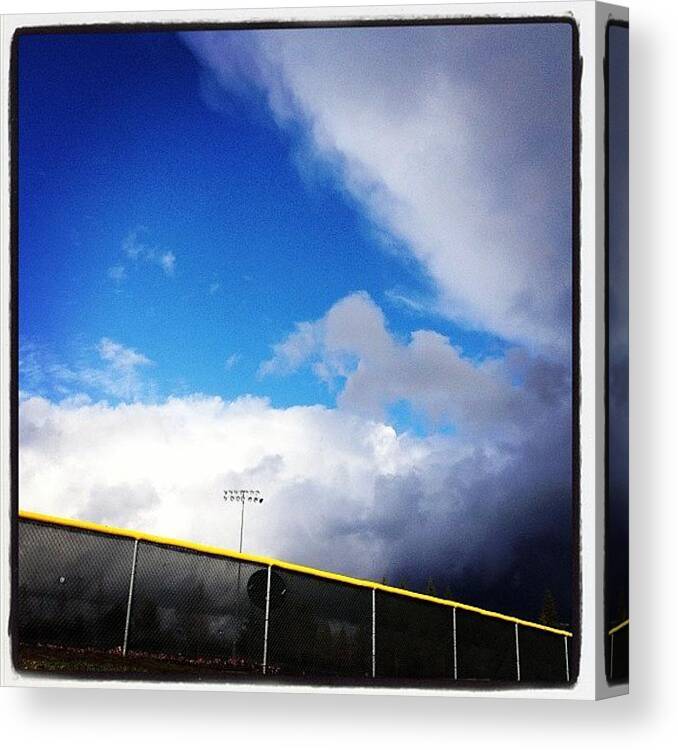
x,y
81,662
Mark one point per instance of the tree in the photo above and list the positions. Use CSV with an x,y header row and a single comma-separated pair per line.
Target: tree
x,y
549,614
431,588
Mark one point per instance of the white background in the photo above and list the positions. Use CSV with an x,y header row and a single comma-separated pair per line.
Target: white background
x,y
646,718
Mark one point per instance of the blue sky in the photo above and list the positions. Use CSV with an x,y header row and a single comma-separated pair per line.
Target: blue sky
x,y
139,157
332,264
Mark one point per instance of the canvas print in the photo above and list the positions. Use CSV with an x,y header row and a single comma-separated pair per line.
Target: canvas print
x,y
297,353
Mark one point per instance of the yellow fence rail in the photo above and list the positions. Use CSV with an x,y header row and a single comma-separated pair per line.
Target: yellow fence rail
x,y
621,625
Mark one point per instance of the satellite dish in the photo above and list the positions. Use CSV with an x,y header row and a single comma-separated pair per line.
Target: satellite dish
x,y
256,589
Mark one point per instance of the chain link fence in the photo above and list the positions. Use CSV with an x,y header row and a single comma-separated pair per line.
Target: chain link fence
x,y
95,599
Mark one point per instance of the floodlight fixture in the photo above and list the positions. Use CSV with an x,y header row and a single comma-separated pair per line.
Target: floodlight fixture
x,y
242,496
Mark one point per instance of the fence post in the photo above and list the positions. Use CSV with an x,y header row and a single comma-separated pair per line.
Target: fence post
x,y
454,640
567,660
129,597
374,633
517,653
611,652
266,617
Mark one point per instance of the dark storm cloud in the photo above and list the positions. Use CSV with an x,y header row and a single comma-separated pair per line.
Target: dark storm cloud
x,y
496,532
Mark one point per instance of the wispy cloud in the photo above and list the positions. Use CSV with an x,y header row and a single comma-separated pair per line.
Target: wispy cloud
x,y
407,301
137,249
167,262
120,357
117,373
117,273
232,361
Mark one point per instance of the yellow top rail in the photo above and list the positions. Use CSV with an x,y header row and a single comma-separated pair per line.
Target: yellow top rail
x,y
317,573
621,625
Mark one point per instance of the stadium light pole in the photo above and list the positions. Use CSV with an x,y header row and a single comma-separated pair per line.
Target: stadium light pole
x,y
242,497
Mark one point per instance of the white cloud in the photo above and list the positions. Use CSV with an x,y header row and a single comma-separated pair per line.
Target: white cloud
x,y
454,139
117,273
344,491
120,357
293,351
31,367
232,360
138,249
132,246
352,343
167,262
406,301
341,492
117,374
163,468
